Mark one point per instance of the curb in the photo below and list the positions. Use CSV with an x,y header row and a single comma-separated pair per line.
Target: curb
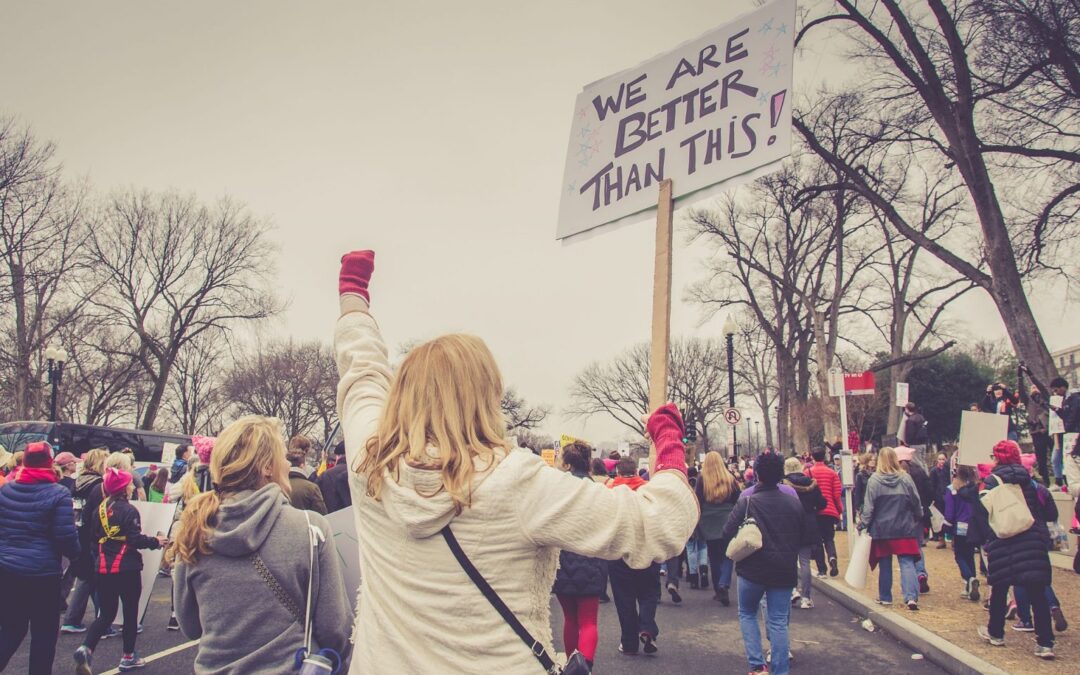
x,y
936,649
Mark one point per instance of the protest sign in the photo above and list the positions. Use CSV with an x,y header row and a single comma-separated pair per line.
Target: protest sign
x,y
155,519
706,114
979,432
548,456
901,394
347,546
1055,424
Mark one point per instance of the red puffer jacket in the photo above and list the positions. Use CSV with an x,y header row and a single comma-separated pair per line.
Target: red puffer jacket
x,y
830,486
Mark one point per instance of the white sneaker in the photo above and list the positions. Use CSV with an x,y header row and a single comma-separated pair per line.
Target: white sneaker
x,y
806,603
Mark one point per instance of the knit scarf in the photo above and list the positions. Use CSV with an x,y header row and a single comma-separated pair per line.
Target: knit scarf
x,y
30,475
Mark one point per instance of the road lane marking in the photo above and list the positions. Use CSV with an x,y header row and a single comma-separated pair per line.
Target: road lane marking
x,y
160,655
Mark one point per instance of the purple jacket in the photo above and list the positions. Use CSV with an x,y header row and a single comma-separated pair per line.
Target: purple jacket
x,y
785,488
956,510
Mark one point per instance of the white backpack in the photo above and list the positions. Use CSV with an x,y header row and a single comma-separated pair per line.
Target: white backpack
x,y
1009,512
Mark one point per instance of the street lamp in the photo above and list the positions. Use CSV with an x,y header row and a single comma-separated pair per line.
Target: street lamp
x,y
729,333
749,438
56,358
757,435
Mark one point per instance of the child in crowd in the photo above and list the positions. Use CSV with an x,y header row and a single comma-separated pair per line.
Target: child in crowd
x,y
968,525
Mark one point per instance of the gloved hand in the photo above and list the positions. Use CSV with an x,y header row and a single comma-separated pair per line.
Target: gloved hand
x,y
356,270
666,428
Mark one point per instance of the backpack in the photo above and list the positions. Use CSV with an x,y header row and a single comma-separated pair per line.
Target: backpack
x,y
1008,510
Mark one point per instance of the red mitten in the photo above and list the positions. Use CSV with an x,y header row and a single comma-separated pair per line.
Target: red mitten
x,y
356,269
666,428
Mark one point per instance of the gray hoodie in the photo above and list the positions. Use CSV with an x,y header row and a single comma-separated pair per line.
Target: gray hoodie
x,y
891,508
222,600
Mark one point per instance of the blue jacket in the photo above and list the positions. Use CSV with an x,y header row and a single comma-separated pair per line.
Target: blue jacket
x,y
37,526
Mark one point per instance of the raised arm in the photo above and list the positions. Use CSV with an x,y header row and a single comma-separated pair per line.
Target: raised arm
x,y
362,361
650,524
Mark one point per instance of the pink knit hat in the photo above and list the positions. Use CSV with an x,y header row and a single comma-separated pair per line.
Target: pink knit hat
x,y
904,453
116,481
64,458
204,445
1028,460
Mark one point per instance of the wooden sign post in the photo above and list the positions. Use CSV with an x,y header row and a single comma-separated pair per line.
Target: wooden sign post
x,y
661,308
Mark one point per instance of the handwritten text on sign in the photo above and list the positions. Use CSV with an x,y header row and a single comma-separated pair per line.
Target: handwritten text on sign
x,y
712,109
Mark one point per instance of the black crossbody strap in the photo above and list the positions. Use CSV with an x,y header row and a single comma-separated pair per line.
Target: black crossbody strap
x,y
508,616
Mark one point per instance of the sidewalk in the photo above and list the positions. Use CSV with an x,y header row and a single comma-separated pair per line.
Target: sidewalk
x,y
944,614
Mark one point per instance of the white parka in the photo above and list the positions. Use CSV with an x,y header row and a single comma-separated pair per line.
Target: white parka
x,y
418,612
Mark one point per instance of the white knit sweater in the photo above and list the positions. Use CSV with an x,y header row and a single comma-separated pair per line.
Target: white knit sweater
x,y
418,612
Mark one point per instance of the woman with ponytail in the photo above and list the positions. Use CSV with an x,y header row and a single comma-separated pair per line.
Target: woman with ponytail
x,y
242,540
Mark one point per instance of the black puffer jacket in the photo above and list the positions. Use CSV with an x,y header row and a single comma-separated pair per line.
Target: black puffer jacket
x,y
1021,559
812,501
119,553
578,574
925,488
782,521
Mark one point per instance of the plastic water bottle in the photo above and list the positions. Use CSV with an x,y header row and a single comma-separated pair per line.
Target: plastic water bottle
x,y
316,664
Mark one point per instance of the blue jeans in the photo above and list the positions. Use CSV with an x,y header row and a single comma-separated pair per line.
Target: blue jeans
x,y
1057,459
721,565
964,553
1023,602
778,613
697,554
909,581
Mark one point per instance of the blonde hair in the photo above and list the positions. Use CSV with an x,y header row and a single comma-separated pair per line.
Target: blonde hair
x,y
717,483
189,487
248,455
119,460
446,395
887,462
94,461
865,459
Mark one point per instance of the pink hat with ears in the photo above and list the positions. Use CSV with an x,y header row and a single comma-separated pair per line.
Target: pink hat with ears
x,y
1028,460
204,445
116,481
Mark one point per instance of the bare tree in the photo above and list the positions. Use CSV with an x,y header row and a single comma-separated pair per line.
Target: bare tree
x,y
755,369
100,379
925,90
42,237
195,401
620,387
287,380
174,269
520,416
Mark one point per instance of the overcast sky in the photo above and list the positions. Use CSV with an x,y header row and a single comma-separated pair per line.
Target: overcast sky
x,y
433,132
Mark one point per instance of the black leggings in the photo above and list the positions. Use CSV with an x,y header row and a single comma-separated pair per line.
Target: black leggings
x,y
112,589
29,603
827,530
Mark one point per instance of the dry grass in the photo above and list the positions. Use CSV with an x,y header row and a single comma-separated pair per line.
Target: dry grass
x,y
945,613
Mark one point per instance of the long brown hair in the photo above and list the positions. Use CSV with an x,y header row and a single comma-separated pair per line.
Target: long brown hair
x,y
161,479
445,397
248,455
717,483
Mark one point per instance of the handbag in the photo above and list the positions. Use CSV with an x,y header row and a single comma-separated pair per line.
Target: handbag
x,y
1008,510
747,541
575,663
304,655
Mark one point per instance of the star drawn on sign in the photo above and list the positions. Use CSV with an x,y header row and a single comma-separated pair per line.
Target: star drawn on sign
x,y
586,131
762,97
782,30
582,114
776,69
766,27
770,53
583,162
571,188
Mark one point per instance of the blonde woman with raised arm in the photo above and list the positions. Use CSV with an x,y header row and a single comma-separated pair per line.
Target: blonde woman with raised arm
x,y
427,450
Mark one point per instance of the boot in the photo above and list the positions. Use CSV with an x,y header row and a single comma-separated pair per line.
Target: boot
x,y
704,572
694,581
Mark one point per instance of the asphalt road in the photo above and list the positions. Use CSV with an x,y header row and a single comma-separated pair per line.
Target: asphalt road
x,y
698,636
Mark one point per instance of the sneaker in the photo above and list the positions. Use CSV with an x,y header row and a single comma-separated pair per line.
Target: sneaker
x,y
795,597
131,662
175,625
942,544
83,661
834,569
624,652
768,656
913,606
806,603
722,596
164,572
1044,652
673,590
886,603
994,642
69,628
924,584
650,644
112,632
974,594
759,669
1023,627
1060,624
821,575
